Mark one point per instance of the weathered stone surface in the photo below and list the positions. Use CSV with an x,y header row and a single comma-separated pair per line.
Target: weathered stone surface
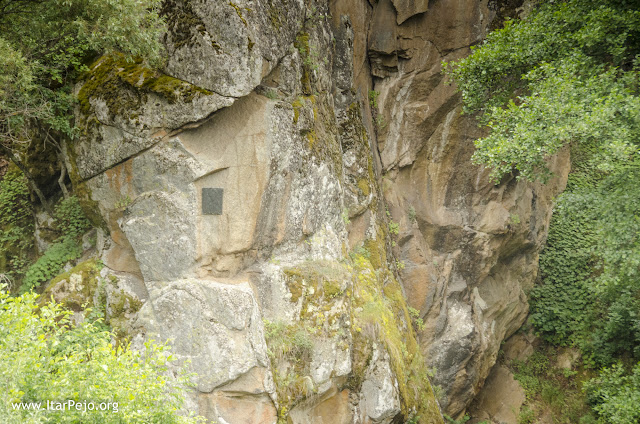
x,y
159,230
408,8
237,408
501,398
88,284
126,108
270,101
229,47
294,163
470,248
332,408
215,326
380,402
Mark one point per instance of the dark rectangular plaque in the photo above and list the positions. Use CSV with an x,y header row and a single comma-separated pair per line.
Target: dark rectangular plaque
x,y
212,201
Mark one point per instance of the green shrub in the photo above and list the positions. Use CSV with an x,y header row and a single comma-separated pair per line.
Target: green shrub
x,y
51,263
43,357
615,395
564,75
526,416
70,217
291,342
589,269
72,223
16,225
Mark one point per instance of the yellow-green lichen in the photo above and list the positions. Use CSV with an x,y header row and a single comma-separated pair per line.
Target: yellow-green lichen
x,y
376,309
239,13
321,288
297,105
377,250
382,314
363,185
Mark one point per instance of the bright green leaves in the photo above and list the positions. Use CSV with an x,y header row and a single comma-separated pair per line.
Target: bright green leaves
x,y
44,357
70,217
616,395
51,263
565,75
16,226
591,269
565,107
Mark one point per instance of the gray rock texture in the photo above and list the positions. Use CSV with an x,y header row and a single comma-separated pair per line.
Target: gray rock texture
x,y
470,247
348,195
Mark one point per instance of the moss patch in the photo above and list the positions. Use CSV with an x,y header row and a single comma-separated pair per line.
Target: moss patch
x,y
289,348
84,278
378,314
381,313
322,287
124,85
363,185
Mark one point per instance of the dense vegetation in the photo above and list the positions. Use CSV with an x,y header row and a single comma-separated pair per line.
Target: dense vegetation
x,y
45,45
44,357
567,77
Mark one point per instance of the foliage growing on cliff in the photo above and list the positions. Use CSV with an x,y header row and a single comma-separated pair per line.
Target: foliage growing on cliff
x,y
550,390
72,224
51,263
590,270
616,394
16,225
567,76
45,45
71,220
44,357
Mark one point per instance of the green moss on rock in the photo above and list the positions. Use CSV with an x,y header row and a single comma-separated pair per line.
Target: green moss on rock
x,y
380,305
124,85
82,281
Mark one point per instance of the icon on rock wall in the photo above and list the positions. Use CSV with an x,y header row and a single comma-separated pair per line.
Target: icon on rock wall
x,y
212,201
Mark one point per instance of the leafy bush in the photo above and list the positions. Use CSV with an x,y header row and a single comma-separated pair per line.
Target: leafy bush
x,y
567,74
615,395
72,223
16,225
559,307
43,357
70,217
51,263
589,295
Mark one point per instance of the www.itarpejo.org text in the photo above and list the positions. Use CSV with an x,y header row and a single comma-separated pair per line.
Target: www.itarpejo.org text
x,y
66,406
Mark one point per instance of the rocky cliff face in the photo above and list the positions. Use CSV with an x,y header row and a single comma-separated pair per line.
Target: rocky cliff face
x,y
470,247
295,173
